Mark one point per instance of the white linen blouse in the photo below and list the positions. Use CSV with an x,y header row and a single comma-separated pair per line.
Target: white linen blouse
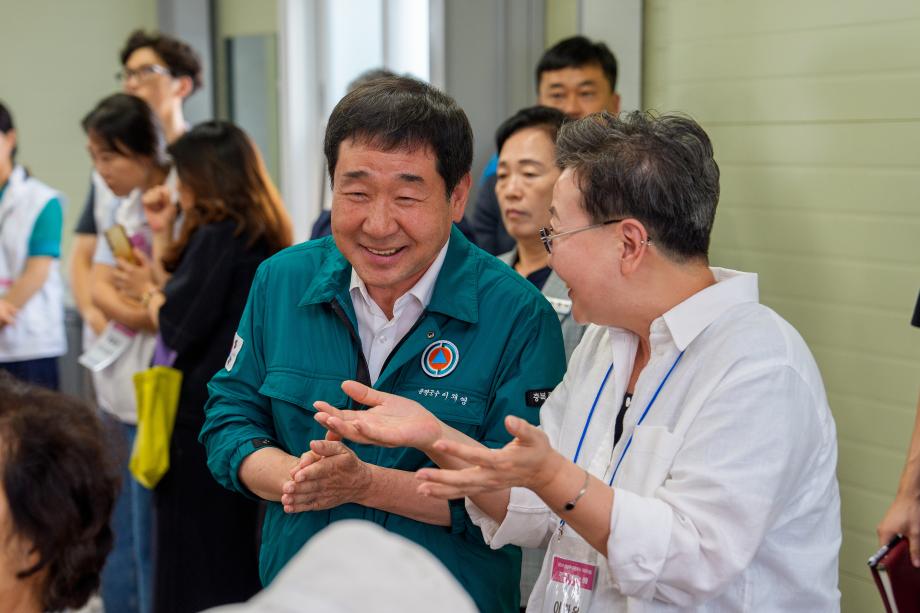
x,y
727,499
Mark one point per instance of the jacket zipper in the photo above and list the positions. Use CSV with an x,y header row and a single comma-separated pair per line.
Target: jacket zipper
x,y
363,373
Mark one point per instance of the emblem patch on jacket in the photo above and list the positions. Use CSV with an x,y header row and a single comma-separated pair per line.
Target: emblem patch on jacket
x,y
440,359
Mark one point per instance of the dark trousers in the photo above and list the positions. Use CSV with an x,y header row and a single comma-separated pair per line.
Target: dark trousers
x,y
43,371
206,551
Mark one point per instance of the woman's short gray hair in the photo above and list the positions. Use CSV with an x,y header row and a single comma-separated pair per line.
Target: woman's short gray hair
x,y
656,169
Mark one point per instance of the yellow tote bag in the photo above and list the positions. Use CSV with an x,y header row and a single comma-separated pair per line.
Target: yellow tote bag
x,y
157,391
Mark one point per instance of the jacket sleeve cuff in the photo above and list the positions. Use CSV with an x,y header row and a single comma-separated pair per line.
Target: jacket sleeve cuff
x,y
637,548
527,522
457,515
241,453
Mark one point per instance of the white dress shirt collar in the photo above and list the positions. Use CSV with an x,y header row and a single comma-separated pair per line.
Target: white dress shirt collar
x,y
421,291
373,324
687,320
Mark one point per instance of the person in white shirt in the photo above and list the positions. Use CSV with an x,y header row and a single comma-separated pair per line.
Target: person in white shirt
x,y
687,460
126,143
32,335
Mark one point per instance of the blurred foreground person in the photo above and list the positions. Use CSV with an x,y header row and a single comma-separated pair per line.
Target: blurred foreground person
x,y
383,572
59,484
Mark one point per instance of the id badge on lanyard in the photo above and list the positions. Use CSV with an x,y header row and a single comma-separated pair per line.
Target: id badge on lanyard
x,y
113,342
573,570
573,576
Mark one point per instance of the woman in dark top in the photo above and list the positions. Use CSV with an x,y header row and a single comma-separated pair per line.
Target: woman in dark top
x,y
206,536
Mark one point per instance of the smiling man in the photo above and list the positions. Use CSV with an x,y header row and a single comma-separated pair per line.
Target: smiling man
x,y
397,299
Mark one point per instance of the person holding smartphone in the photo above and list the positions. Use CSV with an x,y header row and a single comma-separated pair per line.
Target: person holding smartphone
x,y
127,147
233,219
163,71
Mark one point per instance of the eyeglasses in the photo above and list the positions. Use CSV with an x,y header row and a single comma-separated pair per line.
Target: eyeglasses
x,y
547,236
142,73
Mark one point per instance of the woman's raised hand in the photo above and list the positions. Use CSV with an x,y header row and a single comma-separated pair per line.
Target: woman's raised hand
x,y
390,420
527,461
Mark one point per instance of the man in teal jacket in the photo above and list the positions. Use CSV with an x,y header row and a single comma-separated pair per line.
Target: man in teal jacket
x,y
397,300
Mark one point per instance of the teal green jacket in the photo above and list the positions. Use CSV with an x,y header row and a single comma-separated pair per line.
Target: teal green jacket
x,y
298,341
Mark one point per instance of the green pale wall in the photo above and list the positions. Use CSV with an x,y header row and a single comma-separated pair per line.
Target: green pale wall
x,y
561,20
241,17
59,59
814,110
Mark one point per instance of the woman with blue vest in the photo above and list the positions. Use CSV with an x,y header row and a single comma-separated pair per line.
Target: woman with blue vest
x,y
31,294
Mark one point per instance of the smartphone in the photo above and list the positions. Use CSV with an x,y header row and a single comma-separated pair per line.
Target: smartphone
x,y
119,243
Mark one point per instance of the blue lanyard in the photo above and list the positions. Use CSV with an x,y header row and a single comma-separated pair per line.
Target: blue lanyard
x,y
597,397
642,417
591,415
584,430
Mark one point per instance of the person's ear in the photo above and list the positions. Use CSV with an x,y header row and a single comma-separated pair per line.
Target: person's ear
x,y
635,244
459,197
183,86
26,552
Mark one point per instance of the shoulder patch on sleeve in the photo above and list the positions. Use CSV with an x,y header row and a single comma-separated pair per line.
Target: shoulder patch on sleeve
x,y
536,398
234,351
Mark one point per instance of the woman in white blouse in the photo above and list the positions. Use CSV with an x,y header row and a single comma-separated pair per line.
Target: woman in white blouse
x,y
687,460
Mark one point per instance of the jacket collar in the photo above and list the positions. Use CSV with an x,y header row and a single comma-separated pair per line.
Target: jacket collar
x,y
455,291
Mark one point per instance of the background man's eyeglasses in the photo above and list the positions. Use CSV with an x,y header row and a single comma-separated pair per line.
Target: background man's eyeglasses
x,y
143,72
